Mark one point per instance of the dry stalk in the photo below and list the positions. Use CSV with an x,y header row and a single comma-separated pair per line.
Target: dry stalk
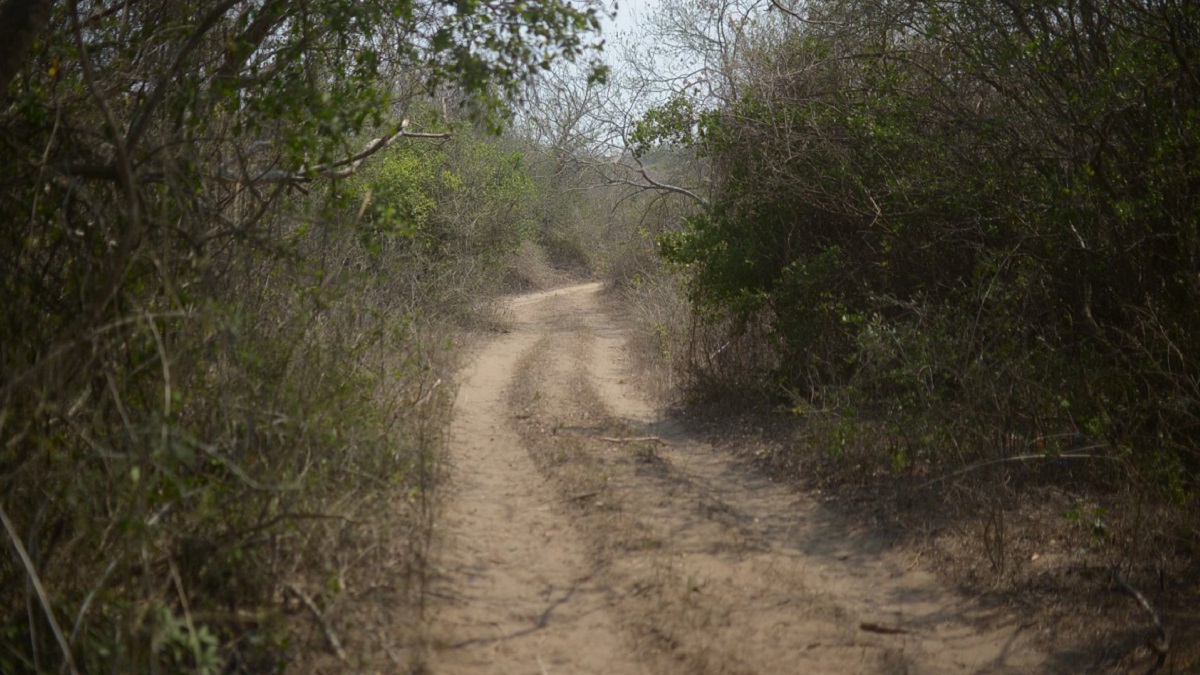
x,y
187,609
330,636
36,580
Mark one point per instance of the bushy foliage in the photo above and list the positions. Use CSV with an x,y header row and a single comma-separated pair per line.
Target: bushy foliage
x,y
455,210
207,453
979,214
219,349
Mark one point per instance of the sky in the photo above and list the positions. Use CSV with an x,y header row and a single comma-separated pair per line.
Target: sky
x,y
627,30
629,12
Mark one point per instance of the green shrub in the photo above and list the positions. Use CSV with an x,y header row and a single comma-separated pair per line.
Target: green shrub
x,y
967,216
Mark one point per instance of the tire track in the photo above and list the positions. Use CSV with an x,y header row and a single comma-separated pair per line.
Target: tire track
x,y
514,589
570,553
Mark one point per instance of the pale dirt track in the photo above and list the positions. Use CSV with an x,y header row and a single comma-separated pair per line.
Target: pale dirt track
x,y
561,552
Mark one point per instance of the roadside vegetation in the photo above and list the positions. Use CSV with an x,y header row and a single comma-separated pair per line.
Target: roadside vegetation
x,y
945,252
238,242
951,249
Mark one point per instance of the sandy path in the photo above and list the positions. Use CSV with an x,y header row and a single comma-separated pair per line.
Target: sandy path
x,y
515,580
679,560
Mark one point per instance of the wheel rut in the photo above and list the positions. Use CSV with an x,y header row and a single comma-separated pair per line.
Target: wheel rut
x,y
513,589
571,544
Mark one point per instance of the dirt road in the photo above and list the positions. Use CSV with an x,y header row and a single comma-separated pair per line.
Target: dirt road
x,y
584,533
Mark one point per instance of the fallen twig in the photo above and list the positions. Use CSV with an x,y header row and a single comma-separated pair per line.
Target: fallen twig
x,y
1163,644
1017,458
633,439
330,636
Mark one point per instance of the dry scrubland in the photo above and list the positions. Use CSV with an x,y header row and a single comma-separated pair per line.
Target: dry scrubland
x,y
944,268
241,245
933,263
1094,568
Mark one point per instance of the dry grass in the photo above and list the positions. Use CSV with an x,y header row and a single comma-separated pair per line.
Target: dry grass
x,y
221,489
529,269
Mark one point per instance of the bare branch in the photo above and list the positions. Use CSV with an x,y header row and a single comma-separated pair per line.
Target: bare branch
x,y
167,79
326,627
777,4
647,182
340,169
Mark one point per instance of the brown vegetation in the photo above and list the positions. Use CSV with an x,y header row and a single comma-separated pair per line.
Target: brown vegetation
x,y
236,242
